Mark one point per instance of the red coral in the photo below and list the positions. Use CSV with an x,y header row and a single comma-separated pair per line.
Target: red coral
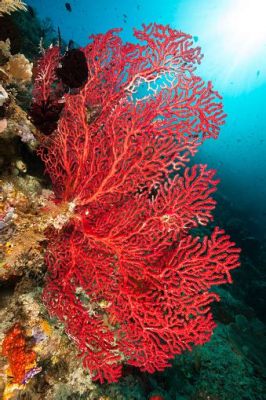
x,y
45,76
126,276
47,93
20,358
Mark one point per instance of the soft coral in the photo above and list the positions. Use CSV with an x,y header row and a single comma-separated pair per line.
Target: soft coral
x,y
126,277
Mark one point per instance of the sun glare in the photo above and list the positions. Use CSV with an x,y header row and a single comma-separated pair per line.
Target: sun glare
x,y
232,34
244,27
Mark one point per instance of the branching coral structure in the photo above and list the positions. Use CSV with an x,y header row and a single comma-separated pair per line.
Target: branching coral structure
x,y
126,275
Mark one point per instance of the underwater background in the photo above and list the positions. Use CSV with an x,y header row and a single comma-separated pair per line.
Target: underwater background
x,y
231,365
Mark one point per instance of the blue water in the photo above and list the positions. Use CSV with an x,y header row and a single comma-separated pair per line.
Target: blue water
x,y
237,71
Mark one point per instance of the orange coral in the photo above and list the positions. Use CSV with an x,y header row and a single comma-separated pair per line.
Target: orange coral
x,y
19,357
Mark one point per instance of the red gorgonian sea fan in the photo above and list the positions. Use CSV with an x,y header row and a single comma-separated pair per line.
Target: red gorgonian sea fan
x,y
126,275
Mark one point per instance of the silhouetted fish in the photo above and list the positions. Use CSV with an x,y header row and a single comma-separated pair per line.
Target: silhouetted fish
x,y
68,7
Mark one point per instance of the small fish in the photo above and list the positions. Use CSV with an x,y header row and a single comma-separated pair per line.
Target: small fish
x,y
196,38
68,7
258,73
